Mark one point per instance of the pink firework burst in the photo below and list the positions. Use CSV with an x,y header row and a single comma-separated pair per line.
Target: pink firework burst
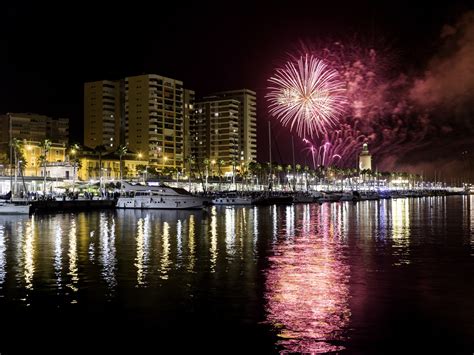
x,y
307,95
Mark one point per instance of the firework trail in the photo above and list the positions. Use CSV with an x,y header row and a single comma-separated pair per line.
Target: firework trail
x,y
307,95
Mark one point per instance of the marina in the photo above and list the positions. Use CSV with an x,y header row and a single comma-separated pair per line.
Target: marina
x,y
297,278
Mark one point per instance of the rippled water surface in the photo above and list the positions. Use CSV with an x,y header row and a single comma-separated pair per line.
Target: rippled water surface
x,y
376,277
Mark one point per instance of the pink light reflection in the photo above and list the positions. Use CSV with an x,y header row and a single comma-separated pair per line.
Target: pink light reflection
x,y
307,288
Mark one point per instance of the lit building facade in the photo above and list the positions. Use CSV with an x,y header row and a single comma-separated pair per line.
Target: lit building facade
x,y
189,121
216,134
55,159
30,127
103,106
154,115
33,127
365,159
89,167
247,121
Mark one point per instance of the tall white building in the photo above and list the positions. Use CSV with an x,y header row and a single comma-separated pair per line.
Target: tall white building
x,y
216,133
154,107
365,159
237,108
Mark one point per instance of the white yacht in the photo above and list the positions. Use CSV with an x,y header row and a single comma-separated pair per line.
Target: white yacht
x,y
157,197
232,199
7,207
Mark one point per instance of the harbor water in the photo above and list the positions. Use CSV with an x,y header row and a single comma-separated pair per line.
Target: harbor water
x,y
368,277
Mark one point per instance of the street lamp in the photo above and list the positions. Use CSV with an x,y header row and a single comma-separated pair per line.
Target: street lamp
x,y
213,162
73,153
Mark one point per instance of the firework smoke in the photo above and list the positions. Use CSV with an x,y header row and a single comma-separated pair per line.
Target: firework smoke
x,y
449,79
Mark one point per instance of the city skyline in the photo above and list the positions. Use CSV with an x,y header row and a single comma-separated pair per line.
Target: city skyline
x,y
217,55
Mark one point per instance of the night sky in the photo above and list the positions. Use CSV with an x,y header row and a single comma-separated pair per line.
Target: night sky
x,y
49,51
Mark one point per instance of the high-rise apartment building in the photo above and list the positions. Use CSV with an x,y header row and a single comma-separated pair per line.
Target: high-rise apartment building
x,y
189,118
33,127
103,116
216,133
154,118
247,120
225,128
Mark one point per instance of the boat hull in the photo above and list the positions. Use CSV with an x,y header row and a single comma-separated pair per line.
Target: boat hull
x,y
225,201
166,203
8,208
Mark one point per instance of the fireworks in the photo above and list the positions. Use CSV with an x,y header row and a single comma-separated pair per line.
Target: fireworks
x,y
307,95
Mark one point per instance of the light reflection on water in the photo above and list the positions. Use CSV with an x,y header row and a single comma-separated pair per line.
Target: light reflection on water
x,y
28,252
471,221
3,260
307,282
108,250
296,264
401,230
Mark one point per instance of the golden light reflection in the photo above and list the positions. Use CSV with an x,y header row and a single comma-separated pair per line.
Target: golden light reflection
x,y
72,254
142,240
401,230
3,259
165,255
213,248
471,214
191,244
58,260
241,231
29,251
230,230
254,223
108,251
307,288
179,241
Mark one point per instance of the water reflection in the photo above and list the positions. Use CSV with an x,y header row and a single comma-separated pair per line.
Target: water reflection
x,y
213,247
107,250
3,259
230,229
28,252
191,244
165,264
303,269
400,213
58,259
142,240
307,283
72,254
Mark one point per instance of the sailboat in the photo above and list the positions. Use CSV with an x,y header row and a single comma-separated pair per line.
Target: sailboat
x,y
269,197
7,206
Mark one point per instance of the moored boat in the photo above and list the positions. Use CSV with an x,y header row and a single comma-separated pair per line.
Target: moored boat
x,y
157,197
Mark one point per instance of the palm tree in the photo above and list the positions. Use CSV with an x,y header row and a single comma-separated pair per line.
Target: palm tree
x,y
288,169
306,173
73,151
278,169
254,168
45,146
100,149
20,161
298,170
220,163
207,162
190,161
121,151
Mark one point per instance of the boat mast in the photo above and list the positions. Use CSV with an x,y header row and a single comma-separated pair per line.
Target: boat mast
x,y
11,154
294,166
270,154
